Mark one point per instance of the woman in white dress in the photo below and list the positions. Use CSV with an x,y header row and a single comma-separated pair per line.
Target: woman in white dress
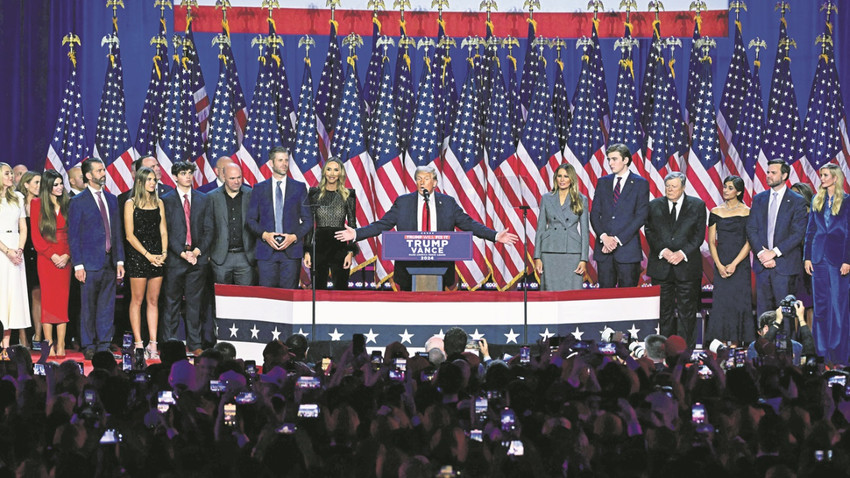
x,y
14,303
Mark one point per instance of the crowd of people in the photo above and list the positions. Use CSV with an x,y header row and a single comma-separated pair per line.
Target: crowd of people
x,y
561,408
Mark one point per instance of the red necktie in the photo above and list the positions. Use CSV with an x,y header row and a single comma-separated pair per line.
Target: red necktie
x,y
426,217
187,211
103,215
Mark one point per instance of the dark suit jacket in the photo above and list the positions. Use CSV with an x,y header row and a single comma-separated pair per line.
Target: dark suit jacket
x,y
623,221
829,244
86,234
687,235
296,217
175,220
209,187
788,234
402,216
220,233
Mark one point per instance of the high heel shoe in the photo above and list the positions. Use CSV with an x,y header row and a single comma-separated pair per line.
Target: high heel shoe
x,y
151,351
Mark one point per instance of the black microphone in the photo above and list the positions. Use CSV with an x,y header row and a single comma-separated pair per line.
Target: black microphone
x,y
425,194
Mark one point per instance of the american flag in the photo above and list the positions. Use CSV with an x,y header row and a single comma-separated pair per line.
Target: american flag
x,y
826,122
647,90
349,144
263,130
150,124
329,94
304,165
240,106
693,88
597,75
513,101
200,103
445,86
666,137
405,97
372,87
537,154
527,85
383,147
463,174
729,112
69,145
561,107
748,135
112,139
424,147
705,167
506,261
284,108
783,135
223,139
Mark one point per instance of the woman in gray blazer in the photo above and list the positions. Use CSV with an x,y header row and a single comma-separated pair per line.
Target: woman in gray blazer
x,y
561,243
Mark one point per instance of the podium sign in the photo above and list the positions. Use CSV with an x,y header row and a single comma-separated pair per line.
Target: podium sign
x,y
427,246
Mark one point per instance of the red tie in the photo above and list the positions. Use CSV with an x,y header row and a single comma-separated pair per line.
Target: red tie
x,y
187,211
105,217
426,217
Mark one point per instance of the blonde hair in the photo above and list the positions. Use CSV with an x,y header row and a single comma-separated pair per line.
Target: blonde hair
x,y
838,195
9,194
575,199
341,189
139,195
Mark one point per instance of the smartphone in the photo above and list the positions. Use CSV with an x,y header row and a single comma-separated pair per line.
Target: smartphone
x,y
251,368
840,380
110,437
481,409
218,386
397,375
524,355
698,413
126,362
473,344
554,344
127,343
823,455
89,396
166,397
358,344
308,410
246,398
422,354
287,429
476,435
82,368
705,372
400,364
308,381
426,376
514,447
697,356
377,359
230,414
508,420
781,342
38,369
740,357
581,344
326,365
139,376
608,348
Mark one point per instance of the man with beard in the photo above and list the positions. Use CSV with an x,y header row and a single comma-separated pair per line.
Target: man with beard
x,y
775,229
97,252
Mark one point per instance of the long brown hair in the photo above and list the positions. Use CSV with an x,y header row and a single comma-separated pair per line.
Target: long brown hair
x,y
575,198
139,195
341,189
47,221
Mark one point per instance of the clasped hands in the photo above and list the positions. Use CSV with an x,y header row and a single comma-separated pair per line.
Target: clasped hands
x,y
191,256
288,240
60,261
767,257
159,260
673,258
609,243
727,270
16,256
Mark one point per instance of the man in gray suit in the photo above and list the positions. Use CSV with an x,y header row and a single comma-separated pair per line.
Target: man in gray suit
x,y
232,250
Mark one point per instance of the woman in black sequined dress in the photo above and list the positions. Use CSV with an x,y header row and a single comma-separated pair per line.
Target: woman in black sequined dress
x,y
334,206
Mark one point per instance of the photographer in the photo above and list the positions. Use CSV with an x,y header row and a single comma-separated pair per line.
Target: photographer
x,y
770,323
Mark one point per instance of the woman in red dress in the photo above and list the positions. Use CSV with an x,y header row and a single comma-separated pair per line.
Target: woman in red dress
x,y
48,214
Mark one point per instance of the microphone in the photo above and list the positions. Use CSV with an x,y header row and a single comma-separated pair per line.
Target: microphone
x,y
425,194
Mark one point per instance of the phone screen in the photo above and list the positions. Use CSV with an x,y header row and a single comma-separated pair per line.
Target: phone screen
x,y
166,397
524,355
246,397
38,369
217,386
308,381
607,348
308,410
698,413
508,420
230,414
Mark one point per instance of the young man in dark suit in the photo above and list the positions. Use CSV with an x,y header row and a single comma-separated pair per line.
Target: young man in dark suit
x,y
408,214
97,252
279,217
675,230
617,213
188,222
775,229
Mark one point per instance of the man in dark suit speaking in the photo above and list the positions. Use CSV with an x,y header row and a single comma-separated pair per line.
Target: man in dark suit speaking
x,y
424,210
675,230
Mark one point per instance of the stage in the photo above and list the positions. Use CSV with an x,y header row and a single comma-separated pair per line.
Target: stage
x,y
250,317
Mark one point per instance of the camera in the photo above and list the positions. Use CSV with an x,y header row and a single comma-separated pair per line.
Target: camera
x,y
637,349
787,306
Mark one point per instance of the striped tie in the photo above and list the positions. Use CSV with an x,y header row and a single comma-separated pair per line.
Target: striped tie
x,y
617,191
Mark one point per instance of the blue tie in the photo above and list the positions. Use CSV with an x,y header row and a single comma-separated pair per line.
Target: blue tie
x,y
278,207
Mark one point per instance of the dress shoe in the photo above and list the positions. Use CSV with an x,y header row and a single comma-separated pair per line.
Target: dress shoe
x,y
88,354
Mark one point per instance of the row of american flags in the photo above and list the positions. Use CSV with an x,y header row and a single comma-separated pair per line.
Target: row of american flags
x,y
495,137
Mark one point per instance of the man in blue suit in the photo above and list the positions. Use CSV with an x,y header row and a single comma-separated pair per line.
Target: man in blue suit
x,y
97,252
775,229
189,236
279,217
411,212
620,207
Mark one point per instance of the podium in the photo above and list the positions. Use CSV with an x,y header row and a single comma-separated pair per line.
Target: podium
x,y
430,249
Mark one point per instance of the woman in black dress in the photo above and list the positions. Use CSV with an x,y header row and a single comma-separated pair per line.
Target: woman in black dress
x,y
29,186
731,317
144,226
334,206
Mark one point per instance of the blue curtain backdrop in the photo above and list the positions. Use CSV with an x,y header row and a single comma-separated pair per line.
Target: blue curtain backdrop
x,y
35,66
